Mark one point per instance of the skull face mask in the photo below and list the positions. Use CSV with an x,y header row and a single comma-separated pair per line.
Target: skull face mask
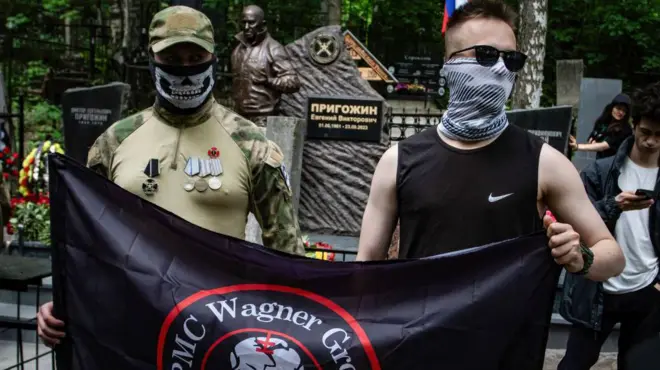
x,y
183,89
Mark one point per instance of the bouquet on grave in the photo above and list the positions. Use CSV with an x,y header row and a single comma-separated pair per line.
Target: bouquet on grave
x,y
321,255
33,177
33,214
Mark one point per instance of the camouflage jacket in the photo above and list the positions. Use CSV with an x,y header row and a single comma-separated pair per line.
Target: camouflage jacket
x,y
253,170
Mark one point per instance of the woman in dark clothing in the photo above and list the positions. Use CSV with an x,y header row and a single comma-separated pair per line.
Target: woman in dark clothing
x,y
610,129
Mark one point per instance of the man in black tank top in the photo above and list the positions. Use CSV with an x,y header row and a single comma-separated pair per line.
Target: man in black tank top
x,y
476,179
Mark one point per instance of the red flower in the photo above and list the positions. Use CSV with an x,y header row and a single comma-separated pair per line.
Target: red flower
x,y
322,245
214,152
16,201
14,173
6,149
5,176
10,229
15,155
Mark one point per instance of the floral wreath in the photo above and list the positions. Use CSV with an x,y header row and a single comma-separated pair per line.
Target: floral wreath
x,y
33,164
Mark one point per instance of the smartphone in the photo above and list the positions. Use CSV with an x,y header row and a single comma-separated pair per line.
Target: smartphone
x,y
647,194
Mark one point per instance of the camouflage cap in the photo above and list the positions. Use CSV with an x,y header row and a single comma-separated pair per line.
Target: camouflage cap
x,y
177,24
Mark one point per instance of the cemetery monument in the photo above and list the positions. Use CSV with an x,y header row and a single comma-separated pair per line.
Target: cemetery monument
x,y
345,136
88,111
261,69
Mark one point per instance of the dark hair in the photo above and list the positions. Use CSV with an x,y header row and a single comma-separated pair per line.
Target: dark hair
x,y
646,104
604,122
495,9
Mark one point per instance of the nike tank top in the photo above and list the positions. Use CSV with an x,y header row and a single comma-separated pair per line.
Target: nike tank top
x,y
451,199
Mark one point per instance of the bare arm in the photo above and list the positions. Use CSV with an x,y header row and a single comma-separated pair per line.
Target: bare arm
x,y
563,192
593,147
380,214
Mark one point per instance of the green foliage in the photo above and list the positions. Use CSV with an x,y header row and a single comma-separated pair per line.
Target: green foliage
x,y
16,21
44,122
615,40
360,9
35,219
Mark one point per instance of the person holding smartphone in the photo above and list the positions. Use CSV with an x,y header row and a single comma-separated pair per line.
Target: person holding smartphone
x,y
625,190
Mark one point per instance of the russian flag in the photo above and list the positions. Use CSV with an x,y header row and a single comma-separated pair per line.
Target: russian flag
x,y
450,7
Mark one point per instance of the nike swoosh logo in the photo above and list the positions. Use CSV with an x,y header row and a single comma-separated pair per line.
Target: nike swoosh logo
x,y
493,199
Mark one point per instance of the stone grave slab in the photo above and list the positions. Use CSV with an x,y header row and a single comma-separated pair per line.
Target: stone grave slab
x,y
88,112
336,174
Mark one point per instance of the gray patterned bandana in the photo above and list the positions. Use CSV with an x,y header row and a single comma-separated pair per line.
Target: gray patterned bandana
x,y
477,96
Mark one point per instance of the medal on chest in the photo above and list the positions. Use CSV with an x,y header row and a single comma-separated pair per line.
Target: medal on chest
x,y
203,173
150,186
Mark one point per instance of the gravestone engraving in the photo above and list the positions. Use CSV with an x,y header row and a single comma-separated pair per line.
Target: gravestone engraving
x,y
420,71
552,124
88,112
595,94
337,118
336,174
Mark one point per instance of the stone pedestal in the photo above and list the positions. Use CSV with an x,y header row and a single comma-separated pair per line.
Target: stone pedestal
x,y
289,134
569,78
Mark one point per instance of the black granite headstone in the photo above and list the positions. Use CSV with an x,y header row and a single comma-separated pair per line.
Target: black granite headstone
x,y
88,112
551,124
421,70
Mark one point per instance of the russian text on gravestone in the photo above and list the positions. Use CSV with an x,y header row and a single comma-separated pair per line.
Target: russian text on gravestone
x,y
344,119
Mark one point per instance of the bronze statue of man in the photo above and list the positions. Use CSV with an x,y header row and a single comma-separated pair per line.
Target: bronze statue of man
x,y
261,69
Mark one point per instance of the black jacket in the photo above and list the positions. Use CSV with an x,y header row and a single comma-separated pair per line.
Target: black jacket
x,y
582,301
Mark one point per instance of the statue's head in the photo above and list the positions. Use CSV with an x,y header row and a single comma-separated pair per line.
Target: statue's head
x,y
253,22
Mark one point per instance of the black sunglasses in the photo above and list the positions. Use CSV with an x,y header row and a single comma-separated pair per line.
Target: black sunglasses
x,y
487,56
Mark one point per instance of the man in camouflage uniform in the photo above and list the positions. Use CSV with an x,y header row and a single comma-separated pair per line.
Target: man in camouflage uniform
x,y
190,155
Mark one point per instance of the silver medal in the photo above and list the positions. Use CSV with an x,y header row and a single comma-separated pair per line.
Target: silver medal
x,y
215,183
189,184
201,185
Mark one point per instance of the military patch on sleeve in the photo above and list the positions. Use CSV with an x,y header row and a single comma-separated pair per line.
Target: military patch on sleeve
x,y
285,175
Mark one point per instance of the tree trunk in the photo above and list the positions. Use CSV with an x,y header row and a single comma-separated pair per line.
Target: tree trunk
x,y
532,32
334,12
126,6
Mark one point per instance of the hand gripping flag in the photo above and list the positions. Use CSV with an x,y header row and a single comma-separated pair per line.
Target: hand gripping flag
x,y
450,7
140,288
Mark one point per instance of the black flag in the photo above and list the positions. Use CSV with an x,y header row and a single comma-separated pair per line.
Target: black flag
x,y
140,288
